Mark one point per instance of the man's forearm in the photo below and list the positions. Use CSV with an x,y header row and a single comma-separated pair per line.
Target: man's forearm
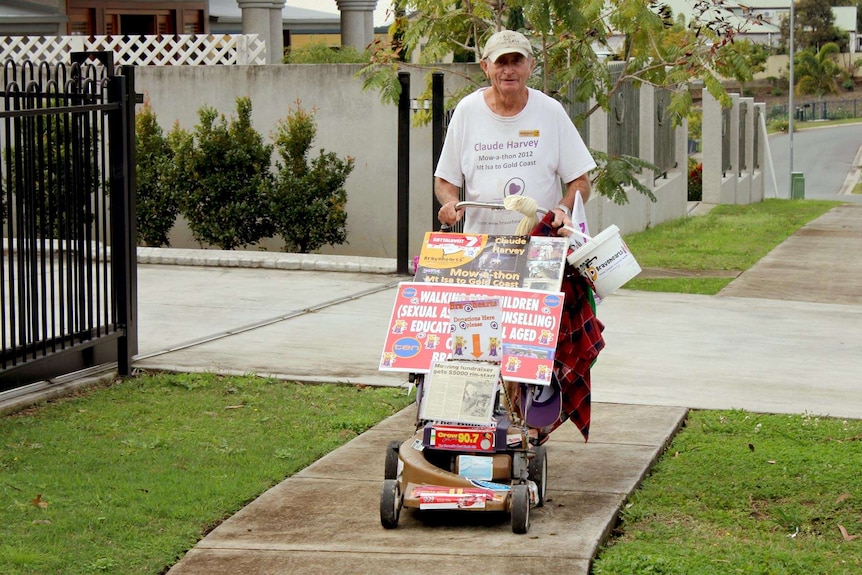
x,y
445,191
580,185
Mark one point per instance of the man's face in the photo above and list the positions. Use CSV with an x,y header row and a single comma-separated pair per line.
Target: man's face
x,y
509,74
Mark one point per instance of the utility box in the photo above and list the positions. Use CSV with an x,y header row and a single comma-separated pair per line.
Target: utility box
x,y
797,186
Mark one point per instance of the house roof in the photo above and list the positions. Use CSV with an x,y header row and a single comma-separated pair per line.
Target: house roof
x,y
297,11
728,10
229,11
29,11
31,18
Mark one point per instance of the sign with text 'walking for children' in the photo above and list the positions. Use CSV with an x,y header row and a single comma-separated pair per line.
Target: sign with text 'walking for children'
x,y
419,329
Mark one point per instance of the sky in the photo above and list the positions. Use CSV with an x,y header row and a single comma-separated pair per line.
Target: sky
x,y
332,7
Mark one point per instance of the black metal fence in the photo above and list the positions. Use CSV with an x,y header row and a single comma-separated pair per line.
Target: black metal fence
x,y
68,273
810,111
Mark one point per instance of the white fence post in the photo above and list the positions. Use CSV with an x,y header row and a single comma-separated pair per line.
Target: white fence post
x,y
242,50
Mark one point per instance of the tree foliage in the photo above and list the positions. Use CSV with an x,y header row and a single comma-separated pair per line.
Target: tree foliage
x,y
572,39
227,178
157,202
813,26
322,53
816,71
308,200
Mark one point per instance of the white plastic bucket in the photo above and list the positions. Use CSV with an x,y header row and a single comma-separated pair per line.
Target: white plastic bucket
x,y
606,261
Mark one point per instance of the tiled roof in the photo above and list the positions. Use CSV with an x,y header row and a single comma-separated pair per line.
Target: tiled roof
x,y
229,10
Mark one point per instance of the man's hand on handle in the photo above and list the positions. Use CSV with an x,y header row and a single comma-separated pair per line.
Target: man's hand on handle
x,y
447,194
449,215
561,219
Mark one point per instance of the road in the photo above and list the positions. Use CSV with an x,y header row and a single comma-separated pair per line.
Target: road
x,y
824,155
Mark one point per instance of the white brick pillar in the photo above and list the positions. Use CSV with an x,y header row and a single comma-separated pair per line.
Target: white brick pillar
x,y
255,20
357,22
730,188
275,51
711,142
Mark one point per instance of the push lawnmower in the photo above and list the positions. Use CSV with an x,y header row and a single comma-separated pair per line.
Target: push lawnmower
x,y
469,464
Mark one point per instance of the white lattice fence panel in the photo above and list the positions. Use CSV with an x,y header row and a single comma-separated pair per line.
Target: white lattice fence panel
x,y
50,49
184,50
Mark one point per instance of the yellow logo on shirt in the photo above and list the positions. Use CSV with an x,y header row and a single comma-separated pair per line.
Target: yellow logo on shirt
x,y
528,133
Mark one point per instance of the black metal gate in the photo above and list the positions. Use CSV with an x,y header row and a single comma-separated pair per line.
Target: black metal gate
x,y
68,275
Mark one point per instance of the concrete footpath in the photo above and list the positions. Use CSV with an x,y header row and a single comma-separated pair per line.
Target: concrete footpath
x,y
784,337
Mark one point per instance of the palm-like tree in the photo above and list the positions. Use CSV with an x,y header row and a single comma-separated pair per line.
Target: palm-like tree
x,y
817,71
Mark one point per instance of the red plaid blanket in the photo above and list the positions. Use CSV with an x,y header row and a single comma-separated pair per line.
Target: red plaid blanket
x,y
579,344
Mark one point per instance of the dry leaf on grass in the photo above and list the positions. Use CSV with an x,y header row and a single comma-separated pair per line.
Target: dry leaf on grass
x,y
842,498
44,504
755,512
847,536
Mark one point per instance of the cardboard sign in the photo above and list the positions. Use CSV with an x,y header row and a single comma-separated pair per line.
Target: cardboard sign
x,y
463,438
500,261
419,335
461,392
438,497
476,330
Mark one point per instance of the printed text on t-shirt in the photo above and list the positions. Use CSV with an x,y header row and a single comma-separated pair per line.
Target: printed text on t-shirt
x,y
509,154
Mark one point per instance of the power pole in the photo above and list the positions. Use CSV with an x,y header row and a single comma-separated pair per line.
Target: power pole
x,y
790,111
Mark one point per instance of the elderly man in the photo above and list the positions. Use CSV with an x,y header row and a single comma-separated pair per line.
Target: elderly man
x,y
508,139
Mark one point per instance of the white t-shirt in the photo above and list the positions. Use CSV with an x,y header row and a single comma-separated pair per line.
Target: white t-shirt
x,y
499,156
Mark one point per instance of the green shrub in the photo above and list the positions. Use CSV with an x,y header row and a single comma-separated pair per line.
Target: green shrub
x,y
321,53
779,125
308,200
226,179
157,203
695,124
777,113
840,114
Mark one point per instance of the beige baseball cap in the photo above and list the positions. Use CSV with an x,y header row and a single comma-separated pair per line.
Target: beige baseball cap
x,y
506,42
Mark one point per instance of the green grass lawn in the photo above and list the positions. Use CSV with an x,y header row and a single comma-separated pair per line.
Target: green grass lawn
x,y
747,493
799,126
728,237
125,479
739,492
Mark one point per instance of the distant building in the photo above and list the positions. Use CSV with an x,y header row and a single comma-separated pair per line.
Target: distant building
x,y
299,25
33,18
102,17
770,13
737,16
166,17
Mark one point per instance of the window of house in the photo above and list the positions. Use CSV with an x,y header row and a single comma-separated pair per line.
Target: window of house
x,y
82,22
131,18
